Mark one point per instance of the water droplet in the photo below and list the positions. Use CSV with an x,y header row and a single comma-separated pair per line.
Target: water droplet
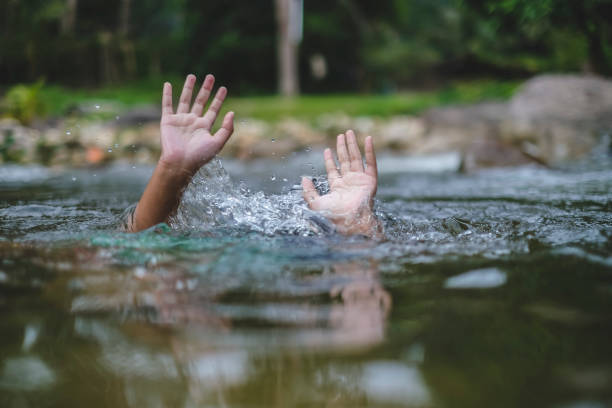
x,y
97,106
68,132
74,179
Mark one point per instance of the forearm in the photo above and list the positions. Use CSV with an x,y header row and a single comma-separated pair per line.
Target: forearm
x,y
161,196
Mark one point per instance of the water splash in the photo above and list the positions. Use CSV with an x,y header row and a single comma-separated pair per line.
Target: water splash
x,y
213,201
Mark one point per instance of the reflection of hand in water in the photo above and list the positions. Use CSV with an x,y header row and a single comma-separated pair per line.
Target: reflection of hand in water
x,y
349,204
357,313
361,316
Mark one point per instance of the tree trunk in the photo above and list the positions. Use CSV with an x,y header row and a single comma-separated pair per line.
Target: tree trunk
x,y
124,17
126,46
69,17
287,50
109,67
588,21
597,57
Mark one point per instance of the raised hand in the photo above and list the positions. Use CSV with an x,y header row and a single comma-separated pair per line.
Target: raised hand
x,y
186,139
187,144
352,187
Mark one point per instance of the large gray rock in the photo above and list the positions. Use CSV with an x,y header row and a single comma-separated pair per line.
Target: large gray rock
x,y
568,99
559,117
458,127
552,118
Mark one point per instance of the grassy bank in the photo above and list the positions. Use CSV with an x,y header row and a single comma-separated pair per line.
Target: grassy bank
x,y
57,101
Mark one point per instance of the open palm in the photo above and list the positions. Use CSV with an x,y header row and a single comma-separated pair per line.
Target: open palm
x,y
186,138
352,187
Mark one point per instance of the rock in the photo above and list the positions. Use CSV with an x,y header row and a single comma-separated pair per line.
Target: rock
x,y
333,124
483,153
365,125
17,143
96,134
552,118
145,135
247,135
254,138
401,133
559,117
94,155
302,133
564,98
457,128
139,116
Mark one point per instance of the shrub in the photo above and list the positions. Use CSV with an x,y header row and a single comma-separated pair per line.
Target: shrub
x,y
23,102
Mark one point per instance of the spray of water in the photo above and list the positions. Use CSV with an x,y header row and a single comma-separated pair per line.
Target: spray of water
x,y
213,201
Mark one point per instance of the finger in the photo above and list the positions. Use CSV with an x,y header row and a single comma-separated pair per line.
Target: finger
x,y
370,156
330,165
167,100
309,191
202,97
343,156
354,153
215,107
185,99
226,130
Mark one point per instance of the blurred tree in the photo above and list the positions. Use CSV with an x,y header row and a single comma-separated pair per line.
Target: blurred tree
x,y
69,16
587,18
235,39
289,35
413,40
347,45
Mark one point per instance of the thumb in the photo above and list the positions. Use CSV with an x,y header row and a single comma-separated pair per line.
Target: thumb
x,y
309,191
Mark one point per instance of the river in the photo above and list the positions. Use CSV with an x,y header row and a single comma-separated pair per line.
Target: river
x,y
490,289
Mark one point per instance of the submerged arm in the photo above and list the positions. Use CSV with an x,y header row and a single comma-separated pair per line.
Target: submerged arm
x,y
187,144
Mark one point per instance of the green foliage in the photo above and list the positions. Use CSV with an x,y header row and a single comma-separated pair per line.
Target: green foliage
x,y
528,10
585,24
367,46
23,102
271,108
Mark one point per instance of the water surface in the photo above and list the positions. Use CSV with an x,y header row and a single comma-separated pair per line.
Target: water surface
x,y
491,289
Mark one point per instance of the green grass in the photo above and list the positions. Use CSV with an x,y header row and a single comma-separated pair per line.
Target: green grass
x,y
58,100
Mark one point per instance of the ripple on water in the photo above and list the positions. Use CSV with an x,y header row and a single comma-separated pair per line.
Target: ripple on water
x,y
246,279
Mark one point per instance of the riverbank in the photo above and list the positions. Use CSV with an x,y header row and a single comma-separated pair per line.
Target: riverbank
x,y
547,120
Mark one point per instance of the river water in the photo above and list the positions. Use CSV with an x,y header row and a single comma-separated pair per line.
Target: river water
x,y
490,289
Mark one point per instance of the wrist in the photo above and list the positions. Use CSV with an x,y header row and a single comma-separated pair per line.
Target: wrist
x,y
174,172
363,223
